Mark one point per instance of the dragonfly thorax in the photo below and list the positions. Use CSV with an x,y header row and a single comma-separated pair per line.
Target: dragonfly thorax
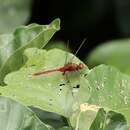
x,y
73,67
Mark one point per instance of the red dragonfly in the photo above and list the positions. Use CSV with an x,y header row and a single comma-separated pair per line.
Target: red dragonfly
x,y
69,67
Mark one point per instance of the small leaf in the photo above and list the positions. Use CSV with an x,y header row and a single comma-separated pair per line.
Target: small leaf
x,y
109,121
13,45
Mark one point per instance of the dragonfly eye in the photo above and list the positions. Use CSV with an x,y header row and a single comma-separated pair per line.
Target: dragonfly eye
x,y
81,66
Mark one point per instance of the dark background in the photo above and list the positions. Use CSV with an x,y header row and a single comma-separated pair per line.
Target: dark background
x,y
96,20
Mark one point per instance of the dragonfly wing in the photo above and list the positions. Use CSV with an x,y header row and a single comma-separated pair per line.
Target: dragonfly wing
x,y
67,46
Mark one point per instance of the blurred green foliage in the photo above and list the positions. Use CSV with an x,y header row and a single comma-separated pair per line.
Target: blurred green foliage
x,y
115,53
15,116
13,13
12,45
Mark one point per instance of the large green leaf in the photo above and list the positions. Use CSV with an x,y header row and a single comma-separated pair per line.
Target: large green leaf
x,y
14,116
13,13
104,87
111,90
13,45
115,53
46,92
102,120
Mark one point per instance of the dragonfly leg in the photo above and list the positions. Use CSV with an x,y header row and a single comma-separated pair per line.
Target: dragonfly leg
x,y
63,73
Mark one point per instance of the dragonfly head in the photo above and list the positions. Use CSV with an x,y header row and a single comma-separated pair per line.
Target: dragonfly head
x,y
81,66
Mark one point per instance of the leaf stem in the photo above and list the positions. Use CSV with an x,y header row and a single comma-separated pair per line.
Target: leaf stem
x,y
77,122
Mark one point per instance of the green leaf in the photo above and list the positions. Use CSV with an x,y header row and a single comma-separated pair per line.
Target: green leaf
x,y
13,14
115,53
13,45
14,116
50,92
109,121
110,90
103,87
53,119
101,120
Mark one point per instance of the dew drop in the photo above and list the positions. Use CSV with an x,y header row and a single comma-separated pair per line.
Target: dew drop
x,y
123,83
115,105
108,121
49,84
110,96
101,125
121,92
104,78
74,90
30,76
95,82
44,67
125,99
97,87
102,85
2,107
